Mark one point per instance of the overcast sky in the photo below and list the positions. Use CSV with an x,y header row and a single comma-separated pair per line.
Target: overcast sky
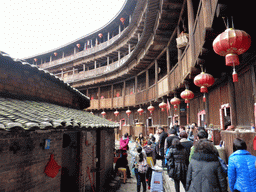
x,y
30,27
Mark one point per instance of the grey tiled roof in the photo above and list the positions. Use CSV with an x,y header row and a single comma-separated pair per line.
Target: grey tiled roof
x,y
32,115
5,57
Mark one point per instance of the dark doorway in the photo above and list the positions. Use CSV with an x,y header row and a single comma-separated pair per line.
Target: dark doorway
x,y
70,162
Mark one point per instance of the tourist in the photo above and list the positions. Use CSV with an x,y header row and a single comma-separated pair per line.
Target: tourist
x,y
185,142
141,141
182,129
141,177
241,168
201,135
156,135
163,135
168,141
177,163
204,171
176,127
123,162
124,141
151,160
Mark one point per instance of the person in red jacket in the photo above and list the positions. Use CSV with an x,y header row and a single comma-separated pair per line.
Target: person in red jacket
x,y
124,141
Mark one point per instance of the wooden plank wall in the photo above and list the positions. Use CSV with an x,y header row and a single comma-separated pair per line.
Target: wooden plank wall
x,y
244,98
217,97
229,136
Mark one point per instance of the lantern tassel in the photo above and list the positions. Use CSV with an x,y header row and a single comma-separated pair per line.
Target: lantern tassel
x,y
204,98
234,75
187,105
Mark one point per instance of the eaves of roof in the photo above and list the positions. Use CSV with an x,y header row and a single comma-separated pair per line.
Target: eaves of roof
x,y
34,115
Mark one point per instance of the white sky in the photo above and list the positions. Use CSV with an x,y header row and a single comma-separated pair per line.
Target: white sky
x,y
30,27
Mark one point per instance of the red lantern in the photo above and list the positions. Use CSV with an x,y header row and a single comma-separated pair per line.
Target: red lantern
x,y
55,54
204,80
162,106
128,112
187,95
116,113
35,59
78,45
122,20
103,113
140,111
100,35
151,109
231,43
175,101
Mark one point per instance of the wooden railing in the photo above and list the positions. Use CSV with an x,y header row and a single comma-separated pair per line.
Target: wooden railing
x,y
163,86
118,102
96,72
83,53
141,97
152,94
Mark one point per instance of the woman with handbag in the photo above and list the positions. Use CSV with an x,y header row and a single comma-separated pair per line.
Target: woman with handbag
x,y
177,163
141,167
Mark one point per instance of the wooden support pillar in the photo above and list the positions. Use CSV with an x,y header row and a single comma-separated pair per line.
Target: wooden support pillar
x,y
138,36
191,21
119,55
74,50
62,75
232,99
207,115
50,58
136,85
95,64
179,51
129,48
99,97
91,44
87,92
156,77
83,67
119,29
107,60
63,54
206,5
112,95
168,67
108,35
123,93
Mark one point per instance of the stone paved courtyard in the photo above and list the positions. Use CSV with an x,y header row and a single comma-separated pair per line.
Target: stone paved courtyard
x,y
131,184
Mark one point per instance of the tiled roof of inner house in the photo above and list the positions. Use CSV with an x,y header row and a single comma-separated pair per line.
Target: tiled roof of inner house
x,y
5,57
33,115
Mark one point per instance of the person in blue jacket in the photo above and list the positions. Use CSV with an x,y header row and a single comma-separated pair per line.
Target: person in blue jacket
x,y
241,168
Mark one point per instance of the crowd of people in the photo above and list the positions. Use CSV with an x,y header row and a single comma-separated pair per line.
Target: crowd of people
x,y
190,158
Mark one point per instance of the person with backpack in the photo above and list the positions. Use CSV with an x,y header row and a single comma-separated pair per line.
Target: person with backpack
x,y
151,160
141,167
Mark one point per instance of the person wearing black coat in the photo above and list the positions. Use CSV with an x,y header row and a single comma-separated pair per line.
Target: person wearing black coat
x,y
177,163
204,171
161,142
